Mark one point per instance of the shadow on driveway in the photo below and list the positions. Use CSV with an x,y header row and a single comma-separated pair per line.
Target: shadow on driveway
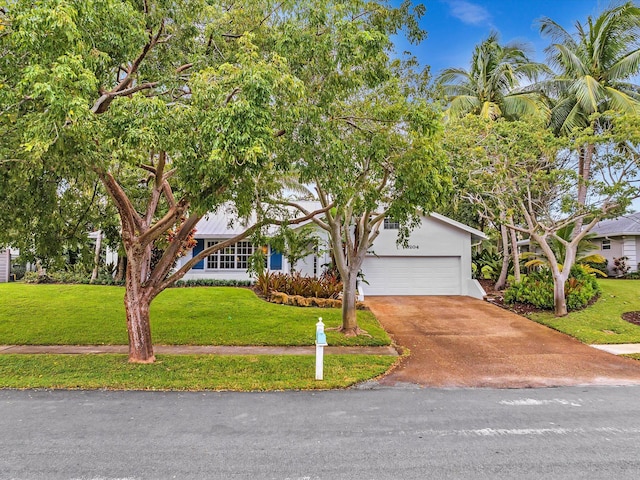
x,y
465,342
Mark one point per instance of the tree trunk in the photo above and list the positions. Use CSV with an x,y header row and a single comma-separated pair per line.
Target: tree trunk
x,y
96,258
584,171
559,300
349,318
122,266
137,300
136,305
502,280
515,254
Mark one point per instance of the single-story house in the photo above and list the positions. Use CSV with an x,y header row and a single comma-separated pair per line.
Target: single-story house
x,y
619,237
436,260
5,265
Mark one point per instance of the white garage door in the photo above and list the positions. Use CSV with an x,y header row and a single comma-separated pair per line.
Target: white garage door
x,y
412,276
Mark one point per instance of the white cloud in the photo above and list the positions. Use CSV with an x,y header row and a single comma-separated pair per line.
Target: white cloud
x,y
468,12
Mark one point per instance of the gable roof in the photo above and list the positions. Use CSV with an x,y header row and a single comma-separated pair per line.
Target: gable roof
x,y
616,227
477,234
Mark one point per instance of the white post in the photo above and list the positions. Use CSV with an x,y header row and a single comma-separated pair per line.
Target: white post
x,y
321,342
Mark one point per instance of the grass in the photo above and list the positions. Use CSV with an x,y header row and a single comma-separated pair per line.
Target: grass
x,y
94,315
601,323
188,372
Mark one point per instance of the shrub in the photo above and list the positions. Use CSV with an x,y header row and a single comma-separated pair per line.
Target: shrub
x,y
292,284
537,289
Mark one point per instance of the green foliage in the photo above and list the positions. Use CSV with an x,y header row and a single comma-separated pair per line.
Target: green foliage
x,y
536,289
601,322
326,286
594,66
489,89
488,263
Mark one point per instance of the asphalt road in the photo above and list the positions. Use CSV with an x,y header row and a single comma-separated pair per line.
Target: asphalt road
x,y
564,433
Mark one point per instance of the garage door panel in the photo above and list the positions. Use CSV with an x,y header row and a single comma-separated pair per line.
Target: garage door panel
x,y
412,276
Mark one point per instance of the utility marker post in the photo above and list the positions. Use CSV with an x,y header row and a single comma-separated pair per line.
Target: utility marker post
x,y
321,342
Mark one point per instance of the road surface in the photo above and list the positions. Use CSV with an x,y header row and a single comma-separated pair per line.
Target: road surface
x,y
412,433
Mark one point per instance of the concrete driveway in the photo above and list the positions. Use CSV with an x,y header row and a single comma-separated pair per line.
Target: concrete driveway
x,y
465,342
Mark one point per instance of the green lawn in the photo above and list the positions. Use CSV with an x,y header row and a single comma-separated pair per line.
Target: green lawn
x,y
94,315
188,372
601,323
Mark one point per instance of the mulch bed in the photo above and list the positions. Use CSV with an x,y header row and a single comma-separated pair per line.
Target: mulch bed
x,y
632,317
497,298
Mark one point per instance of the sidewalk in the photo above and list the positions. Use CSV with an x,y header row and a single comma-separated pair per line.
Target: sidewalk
x,y
619,349
193,350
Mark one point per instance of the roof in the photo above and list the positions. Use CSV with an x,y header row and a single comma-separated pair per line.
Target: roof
x,y
224,224
474,233
616,227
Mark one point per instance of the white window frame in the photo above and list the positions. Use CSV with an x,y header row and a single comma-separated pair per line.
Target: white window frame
x,y
390,224
230,258
606,244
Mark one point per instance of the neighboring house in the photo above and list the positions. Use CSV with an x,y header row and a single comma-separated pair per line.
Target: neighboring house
x,y
5,265
436,261
619,237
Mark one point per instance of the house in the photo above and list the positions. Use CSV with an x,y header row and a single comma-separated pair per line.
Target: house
x,y
5,265
436,260
619,237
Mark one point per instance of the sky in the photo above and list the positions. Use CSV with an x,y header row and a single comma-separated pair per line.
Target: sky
x,y
454,27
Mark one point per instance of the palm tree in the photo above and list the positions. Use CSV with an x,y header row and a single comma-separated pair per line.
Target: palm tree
x,y
490,88
594,67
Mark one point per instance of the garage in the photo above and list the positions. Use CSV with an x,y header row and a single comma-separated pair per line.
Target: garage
x,y
435,260
412,276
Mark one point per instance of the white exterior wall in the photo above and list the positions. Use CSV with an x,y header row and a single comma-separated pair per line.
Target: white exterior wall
x,y
5,265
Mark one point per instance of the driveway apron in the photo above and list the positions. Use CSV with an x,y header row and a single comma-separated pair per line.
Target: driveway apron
x,y
465,342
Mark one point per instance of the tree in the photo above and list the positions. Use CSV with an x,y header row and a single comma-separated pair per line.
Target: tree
x,y
490,88
384,143
190,99
526,170
594,69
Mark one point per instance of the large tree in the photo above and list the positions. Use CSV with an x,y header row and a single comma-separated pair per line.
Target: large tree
x,y
521,168
175,107
595,67
372,157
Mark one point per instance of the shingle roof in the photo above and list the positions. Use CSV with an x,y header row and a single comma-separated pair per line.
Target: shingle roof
x,y
623,225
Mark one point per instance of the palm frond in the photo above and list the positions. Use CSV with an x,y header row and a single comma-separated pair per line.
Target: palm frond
x,y
589,93
622,102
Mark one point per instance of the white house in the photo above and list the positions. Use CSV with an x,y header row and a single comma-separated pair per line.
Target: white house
x,y
619,237
436,261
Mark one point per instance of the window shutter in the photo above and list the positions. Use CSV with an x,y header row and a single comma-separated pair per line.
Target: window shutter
x,y
196,250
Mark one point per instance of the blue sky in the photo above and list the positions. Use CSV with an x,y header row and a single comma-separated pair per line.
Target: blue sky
x,y
455,26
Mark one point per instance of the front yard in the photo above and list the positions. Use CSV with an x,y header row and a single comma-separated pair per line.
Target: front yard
x,y
602,322
94,315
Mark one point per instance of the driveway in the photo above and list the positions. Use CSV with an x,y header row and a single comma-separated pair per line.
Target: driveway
x,y
465,342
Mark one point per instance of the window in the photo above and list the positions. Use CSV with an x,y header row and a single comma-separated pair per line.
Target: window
x,y
233,257
606,244
212,260
390,224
